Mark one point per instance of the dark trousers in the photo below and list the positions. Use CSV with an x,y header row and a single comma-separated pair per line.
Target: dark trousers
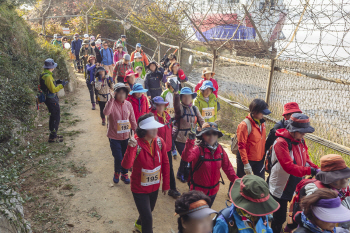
x,y
172,176
102,106
280,216
91,91
78,62
212,198
145,203
118,148
183,169
55,115
120,79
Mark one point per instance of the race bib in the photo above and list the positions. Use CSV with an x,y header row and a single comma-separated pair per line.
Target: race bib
x,y
171,112
208,113
150,177
123,126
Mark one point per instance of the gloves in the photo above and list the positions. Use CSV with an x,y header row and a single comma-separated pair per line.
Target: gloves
x,y
310,188
191,135
314,171
174,86
248,169
64,83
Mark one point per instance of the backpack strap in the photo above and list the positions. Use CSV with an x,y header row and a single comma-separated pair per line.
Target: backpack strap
x,y
249,125
138,151
159,142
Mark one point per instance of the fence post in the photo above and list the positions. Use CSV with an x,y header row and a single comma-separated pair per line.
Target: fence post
x,y
43,25
87,24
214,60
180,52
269,83
158,43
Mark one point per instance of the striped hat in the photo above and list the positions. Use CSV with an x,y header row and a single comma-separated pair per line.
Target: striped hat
x,y
333,168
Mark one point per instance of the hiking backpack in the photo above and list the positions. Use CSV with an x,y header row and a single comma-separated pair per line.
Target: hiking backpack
x,y
109,50
159,142
234,141
230,221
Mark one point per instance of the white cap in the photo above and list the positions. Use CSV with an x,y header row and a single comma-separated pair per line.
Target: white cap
x,y
150,123
86,35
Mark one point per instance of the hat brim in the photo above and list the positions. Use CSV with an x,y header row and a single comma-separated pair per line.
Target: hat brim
x,y
206,87
202,213
293,129
125,86
254,208
165,103
266,111
205,130
332,215
50,67
139,91
194,95
136,75
332,176
292,111
212,73
152,125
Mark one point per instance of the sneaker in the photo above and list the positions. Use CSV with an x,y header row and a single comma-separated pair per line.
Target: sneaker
x,y
181,177
103,122
125,178
116,177
138,227
93,106
174,193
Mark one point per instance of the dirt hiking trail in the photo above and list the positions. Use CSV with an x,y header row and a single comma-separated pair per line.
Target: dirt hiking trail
x,y
99,205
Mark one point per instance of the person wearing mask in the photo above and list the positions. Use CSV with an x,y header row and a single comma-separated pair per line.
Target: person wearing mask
x,y
92,39
97,52
186,118
90,80
322,211
118,54
207,75
75,48
194,213
174,69
121,67
138,100
158,109
136,62
85,52
50,89
251,205
120,119
206,102
146,154
98,44
130,78
334,175
107,57
121,41
142,55
103,85
153,80
251,136
289,109
207,157
64,41
290,163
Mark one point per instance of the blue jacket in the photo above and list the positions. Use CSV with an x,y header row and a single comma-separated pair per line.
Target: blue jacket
x,y
75,47
91,72
222,227
107,56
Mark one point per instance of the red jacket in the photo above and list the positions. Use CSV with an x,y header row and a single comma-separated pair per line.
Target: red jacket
x,y
215,85
165,132
149,165
208,173
140,106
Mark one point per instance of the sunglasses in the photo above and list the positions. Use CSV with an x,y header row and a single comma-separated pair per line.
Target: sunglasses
x,y
212,133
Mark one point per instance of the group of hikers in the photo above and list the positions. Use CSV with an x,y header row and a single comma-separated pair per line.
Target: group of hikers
x,y
152,118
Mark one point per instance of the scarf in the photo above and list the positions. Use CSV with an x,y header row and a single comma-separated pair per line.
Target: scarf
x,y
203,144
312,227
164,117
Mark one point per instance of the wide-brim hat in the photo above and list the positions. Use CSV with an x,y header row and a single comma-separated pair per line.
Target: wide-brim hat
x,y
331,210
49,64
208,71
86,42
159,100
138,55
138,88
120,46
152,62
100,68
187,91
150,123
209,127
121,85
299,122
123,36
251,194
333,168
76,35
207,84
291,107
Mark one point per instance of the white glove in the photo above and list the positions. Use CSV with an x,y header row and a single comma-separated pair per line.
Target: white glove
x,y
310,188
248,169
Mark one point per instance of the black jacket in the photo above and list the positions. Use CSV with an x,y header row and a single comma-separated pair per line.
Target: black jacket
x,y
272,135
98,55
153,82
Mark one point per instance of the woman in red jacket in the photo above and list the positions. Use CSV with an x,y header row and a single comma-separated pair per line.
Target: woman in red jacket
x,y
147,155
207,157
138,100
158,109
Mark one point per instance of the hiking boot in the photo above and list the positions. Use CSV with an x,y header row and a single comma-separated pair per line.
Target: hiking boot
x,y
116,177
174,193
181,177
138,227
125,178
103,122
93,106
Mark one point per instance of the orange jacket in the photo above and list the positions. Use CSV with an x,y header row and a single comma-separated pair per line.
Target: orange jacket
x,y
251,147
143,59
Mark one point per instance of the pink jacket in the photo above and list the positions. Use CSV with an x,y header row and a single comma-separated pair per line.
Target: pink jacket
x,y
116,112
116,55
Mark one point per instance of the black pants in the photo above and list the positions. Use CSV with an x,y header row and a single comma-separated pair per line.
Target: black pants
x,y
102,106
78,62
172,176
91,91
55,115
280,216
120,79
212,198
183,169
145,203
